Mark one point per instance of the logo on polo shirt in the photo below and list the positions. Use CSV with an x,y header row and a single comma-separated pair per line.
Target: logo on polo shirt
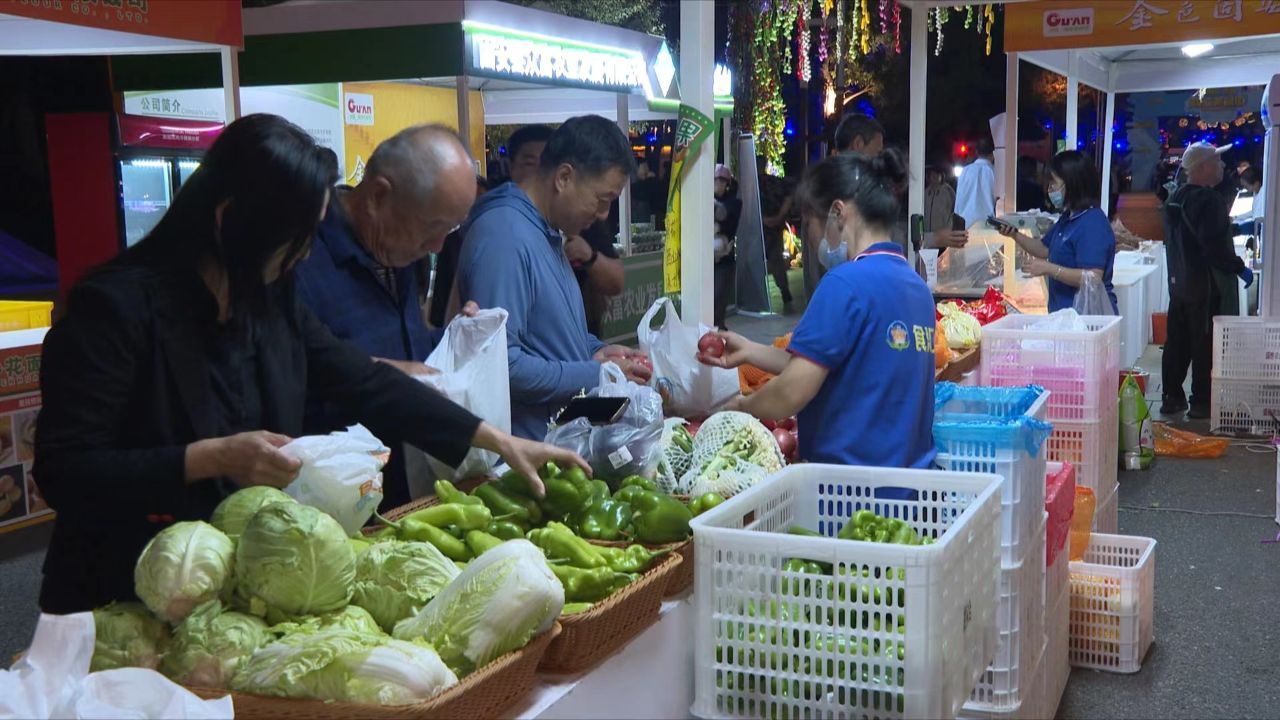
x,y
897,335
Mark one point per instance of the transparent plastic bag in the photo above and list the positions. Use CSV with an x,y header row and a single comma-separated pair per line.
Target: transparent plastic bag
x,y
631,446
1092,298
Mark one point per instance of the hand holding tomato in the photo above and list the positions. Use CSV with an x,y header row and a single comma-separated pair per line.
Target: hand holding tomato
x,y
724,349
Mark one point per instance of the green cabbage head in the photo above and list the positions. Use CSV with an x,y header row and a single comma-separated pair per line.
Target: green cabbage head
x,y
127,635
233,514
341,665
351,617
294,560
210,644
395,580
497,604
185,565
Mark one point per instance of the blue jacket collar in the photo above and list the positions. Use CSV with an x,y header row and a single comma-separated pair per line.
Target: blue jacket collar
x,y
510,195
340,235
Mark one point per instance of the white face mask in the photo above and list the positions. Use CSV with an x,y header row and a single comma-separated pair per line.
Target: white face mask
x,y
1056,198
834,249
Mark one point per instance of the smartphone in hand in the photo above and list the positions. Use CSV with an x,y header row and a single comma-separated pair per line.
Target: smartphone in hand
x,y
999,224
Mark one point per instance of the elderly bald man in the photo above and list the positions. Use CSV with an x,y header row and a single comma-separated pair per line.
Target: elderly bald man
x,y
363,278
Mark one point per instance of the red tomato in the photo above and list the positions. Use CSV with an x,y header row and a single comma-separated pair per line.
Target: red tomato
x,y
711,345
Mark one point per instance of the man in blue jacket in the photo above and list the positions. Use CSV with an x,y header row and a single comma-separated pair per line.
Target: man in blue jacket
x,y
362,278
513,257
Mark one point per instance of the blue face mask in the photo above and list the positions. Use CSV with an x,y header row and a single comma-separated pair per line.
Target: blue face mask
x,y
834,249
1056,198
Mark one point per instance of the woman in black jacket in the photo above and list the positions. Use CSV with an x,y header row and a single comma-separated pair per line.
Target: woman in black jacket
x,y
181,367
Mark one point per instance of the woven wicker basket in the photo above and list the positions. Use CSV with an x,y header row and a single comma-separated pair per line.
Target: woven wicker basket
x,y
482,694
588,638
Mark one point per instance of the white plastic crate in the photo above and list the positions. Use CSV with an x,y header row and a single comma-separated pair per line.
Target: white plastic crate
x,y
769,643
1080,369
1055,666
1112,593
1093,448
1106,514
1020,627
1029,708
1057,582
1246,348
1129,283
1022,492
1244,407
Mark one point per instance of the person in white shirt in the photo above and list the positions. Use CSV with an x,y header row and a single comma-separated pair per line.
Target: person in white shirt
x,y
976,188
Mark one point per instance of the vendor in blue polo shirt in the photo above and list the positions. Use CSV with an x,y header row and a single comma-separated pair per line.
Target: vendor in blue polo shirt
x,y
1080,242
859,371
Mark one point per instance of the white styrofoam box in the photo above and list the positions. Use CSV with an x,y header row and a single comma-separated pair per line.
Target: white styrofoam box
x,y
1022,492
1244,407
1106,514
1020,624
1246,348
1055,666
1130,286
1080,369
1112,593
1093,448
763,652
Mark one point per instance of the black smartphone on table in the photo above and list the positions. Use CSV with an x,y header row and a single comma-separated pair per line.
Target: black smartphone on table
x,y
597,410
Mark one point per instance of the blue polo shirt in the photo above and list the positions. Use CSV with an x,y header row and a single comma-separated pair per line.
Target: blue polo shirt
x,y
870,324
1080,240
340,283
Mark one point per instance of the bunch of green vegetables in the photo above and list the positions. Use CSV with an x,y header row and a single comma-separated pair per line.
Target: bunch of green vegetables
x,y
274,599
855,645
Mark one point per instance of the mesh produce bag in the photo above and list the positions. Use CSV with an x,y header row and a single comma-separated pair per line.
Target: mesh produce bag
x,y
714,466
675,460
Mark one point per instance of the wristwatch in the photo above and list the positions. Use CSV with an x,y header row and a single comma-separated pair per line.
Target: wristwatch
x,y
595,255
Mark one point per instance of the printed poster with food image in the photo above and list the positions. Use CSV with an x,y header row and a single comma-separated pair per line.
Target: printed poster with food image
x,y
20,499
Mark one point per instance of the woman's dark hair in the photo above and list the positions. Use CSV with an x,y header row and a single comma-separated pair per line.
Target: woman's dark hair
x,y
273,177
591,144
1080,184
871,184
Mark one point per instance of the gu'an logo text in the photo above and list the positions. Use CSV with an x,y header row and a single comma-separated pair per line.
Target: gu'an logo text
x,y
1059,23
359,109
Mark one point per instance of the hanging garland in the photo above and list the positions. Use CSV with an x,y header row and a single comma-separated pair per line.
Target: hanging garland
x,y
989,12
770,49
802,43
897,28
866,27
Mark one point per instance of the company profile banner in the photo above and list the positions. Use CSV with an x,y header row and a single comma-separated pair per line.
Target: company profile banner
x,y
1066,24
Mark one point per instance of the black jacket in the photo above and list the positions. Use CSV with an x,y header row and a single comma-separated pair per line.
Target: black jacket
x,y
1198,236
126,387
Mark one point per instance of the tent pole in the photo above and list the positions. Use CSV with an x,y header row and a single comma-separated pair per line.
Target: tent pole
x,y
919,79
1009,199
1108,135
231,83
1073,99
624,200
697,64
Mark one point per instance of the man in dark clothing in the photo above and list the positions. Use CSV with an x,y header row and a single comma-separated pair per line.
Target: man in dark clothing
x,y
361,278
598,269
728,212
1203,268
775,207
446,268
1030,189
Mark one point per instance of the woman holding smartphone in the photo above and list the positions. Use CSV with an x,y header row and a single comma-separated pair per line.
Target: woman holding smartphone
x,y
1080,243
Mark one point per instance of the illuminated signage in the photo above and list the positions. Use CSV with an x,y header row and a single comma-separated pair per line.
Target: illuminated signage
x,y
1078,21
509,53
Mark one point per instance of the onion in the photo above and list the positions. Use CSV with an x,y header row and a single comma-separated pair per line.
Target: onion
x,y
787,424
787,442
769,424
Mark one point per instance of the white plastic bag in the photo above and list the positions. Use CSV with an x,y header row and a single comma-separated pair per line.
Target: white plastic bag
x,y
341,474
472,360
53,681
687,387
630,446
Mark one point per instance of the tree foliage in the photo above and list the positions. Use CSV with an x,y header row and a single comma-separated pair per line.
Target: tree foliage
x,y
640,15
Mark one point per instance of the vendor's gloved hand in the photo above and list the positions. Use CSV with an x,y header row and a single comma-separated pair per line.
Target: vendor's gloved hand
x,y
1246,275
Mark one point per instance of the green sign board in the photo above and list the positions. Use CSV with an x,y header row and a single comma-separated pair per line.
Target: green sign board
x,y
644,285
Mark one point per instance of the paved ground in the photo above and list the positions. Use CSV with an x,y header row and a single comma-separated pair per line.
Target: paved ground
x,y
1217,584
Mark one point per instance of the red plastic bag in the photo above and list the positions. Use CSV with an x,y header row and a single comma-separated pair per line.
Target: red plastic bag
x,y
990,308
1059,502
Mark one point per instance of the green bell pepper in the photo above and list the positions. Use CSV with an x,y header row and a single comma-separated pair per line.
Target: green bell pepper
x,y
605,519
466,517
448,493
704,502
567,493
628,493
505,530
559,542
599,490
659,518
633,559
637,481
584,585
479,542
522,510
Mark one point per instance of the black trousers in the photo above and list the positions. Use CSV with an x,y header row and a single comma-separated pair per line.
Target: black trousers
x,y
1189,343
725,274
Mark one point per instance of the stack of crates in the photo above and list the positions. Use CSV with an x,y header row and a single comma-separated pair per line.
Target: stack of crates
x,y
1059,504
1246,376
1081,371
1002,431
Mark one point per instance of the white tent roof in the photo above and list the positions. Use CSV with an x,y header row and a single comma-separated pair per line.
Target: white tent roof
x,y
1232,62
510,102
21,35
